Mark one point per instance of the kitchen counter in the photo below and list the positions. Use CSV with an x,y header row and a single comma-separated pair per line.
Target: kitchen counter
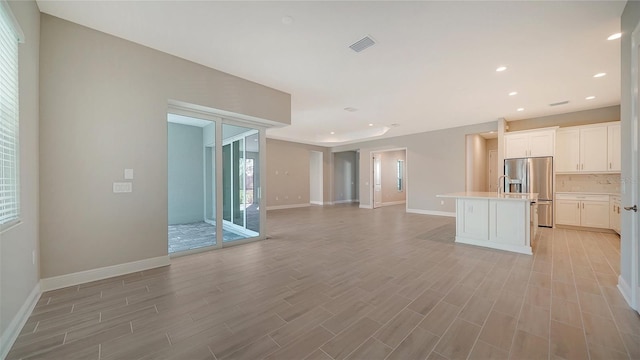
x,y
499,221
587,193
491,195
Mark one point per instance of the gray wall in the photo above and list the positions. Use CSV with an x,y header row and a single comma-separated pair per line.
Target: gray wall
x,y
593,116
185,174
630,19
435,164
104,108
344,176
288,173
18,274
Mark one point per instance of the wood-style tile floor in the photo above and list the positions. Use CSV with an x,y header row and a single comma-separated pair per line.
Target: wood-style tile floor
x,y
345,283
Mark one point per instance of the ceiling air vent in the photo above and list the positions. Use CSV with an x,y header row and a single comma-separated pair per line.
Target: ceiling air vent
x,y
362,44
560,103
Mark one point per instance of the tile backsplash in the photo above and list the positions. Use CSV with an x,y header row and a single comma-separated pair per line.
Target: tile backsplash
x,y
605,183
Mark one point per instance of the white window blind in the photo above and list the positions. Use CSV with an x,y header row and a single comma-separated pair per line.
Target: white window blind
x,y
9,175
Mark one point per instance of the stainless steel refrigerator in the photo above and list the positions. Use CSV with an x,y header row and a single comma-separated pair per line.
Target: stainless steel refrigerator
x,y
533,175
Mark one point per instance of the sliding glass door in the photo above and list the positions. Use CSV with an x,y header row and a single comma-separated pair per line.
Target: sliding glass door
x,y
240,181
201,154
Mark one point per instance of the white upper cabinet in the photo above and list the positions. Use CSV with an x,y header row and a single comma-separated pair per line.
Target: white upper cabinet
x,y
588,149
593,149
529,144
614,144
567,150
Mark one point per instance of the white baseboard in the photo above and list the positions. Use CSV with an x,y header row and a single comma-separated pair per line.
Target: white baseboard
x,y
431,212
366,206
10,335
625,290
292,206
62,281
391,203
313,203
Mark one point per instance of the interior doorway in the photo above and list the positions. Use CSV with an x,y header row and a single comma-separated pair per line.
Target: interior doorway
x,y
481,161
389,186
316,174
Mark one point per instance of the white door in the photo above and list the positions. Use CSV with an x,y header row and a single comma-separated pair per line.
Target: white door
x,y
377,180
630,232
593,149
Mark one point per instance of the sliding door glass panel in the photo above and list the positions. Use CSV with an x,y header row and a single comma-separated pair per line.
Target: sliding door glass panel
x,y
241,182
226,182
191,183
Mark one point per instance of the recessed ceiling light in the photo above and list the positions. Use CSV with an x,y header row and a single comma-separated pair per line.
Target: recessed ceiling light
x,y
492,132
520,109
599,75
287,20
513,93
370,124
590,97
333,132
350,109
615,36
501,68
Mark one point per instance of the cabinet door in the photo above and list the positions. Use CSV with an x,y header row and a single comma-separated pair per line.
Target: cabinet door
x,y
568,212
567,151
595,214
541,143
612,214
472,218
614,145
516,146
593,149
507,223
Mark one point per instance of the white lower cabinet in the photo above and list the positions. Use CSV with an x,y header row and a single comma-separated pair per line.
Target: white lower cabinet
x,y
614,213
583,210
568,212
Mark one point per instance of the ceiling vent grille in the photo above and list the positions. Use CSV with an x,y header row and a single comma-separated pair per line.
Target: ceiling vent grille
x,y
362,44
560,103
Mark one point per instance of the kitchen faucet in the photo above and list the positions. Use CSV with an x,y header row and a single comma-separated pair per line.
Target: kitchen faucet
x,y
500,187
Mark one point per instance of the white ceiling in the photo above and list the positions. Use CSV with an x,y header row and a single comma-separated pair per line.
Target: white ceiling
x,y
433,65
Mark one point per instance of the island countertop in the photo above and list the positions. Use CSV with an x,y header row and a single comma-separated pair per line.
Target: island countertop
x,y
529,197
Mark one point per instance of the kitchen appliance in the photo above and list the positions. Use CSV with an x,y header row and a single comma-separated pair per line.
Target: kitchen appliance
x,y
532,175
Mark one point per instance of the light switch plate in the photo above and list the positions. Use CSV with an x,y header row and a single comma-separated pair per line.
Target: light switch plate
x,y
128,174
122,187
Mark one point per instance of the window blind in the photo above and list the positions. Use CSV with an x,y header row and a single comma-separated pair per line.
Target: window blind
x,y
9,174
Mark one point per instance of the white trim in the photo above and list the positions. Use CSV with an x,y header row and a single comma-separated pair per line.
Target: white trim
x,y
495,245
390,203
625,290
292,206
366,206
13,330
316,203
58,282
432,212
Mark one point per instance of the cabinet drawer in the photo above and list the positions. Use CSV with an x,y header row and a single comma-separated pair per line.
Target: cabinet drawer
x,y
582,197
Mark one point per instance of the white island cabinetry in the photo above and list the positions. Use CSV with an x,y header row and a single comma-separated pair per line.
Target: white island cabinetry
x,y
502,221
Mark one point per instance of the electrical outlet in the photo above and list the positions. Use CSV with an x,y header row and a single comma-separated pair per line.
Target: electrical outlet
x,y
122,187
441,202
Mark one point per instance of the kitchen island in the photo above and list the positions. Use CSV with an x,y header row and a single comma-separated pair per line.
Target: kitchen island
x,y
499,221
